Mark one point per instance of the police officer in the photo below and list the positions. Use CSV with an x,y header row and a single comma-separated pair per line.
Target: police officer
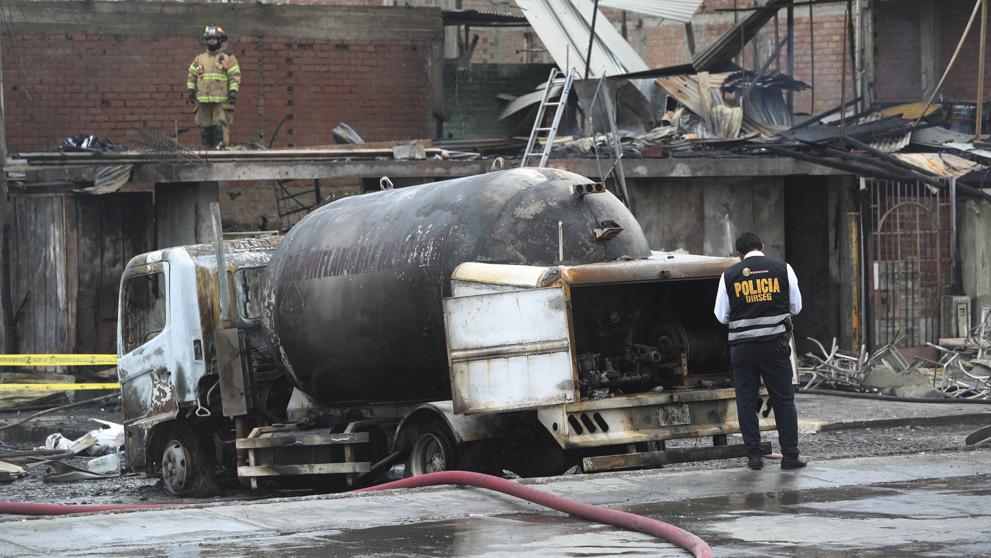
x,y
757,298
213,85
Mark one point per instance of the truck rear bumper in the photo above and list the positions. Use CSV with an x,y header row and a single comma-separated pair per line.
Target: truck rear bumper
x,y
645,417
649,459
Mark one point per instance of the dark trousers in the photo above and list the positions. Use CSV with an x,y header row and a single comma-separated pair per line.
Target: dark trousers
x,y
772,361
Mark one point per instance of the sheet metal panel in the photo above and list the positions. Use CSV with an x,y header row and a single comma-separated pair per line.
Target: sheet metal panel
x,y
674,10
509,351
564,29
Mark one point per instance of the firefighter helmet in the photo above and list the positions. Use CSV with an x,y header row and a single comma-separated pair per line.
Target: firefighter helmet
x,y
214,32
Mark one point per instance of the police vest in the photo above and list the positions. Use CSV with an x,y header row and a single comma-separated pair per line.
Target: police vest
x,y
758,300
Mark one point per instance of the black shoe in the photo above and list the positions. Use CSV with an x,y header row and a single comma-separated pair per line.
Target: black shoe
x,y
794,462
755,463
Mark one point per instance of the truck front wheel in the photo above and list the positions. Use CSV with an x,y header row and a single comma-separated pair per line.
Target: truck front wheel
x,y
186,469
433,449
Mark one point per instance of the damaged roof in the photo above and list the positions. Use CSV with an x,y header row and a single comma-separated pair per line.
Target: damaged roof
x,y
674,10
565,27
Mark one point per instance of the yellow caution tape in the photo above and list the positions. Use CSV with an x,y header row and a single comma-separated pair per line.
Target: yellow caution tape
x,y
57,387
58,360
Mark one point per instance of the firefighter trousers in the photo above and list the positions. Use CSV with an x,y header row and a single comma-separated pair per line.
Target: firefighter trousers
x,y
214,121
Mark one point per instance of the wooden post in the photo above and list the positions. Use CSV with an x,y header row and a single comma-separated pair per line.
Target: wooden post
x,y
980,71
6,217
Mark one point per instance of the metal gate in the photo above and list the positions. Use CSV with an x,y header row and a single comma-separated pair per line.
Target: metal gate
x,y
909,268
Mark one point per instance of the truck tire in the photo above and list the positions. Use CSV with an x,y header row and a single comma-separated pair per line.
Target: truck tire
x,y
433,448
187,470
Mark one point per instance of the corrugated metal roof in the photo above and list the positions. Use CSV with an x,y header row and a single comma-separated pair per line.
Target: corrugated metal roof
x,y
564,28
675,10
943,164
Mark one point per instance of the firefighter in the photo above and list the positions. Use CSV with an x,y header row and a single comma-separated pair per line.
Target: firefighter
x,y
757,298
213,84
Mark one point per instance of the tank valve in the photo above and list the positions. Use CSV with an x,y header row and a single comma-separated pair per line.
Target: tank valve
x,y
607,230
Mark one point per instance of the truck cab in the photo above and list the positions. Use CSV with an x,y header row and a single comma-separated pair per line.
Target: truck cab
x,y
168,316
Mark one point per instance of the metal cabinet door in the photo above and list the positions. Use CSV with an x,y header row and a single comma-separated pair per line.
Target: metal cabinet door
x,y
509,351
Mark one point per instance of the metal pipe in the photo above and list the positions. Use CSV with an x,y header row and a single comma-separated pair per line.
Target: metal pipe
x,y
591,39
791,60
980,71
846,18
812,57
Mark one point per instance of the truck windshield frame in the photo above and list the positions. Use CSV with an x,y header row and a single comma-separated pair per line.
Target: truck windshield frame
x,y
144,313
249,283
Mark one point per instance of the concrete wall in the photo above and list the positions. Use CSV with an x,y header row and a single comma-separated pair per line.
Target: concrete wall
x,y
115,68
182,214
974,230
705,215
801,219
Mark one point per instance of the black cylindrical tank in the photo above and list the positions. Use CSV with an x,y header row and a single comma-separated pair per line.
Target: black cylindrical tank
x,y
353,301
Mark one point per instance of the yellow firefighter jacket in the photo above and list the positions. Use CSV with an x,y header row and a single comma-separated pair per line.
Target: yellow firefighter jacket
x,y
212,75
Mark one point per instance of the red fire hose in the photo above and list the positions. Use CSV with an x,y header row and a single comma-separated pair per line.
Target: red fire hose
x,y
607,516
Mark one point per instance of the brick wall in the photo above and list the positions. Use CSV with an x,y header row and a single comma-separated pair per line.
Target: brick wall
x,y
115,85
961,84
899,43
897,52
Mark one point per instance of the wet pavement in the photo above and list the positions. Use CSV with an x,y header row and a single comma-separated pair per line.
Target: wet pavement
x,y
910,505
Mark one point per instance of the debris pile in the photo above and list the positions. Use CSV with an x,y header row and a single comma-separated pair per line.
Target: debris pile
x,y
963,370
63,456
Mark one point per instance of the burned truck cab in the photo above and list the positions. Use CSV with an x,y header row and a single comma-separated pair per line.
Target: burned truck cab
x,y
168,313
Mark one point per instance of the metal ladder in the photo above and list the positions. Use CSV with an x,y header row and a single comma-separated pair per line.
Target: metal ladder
x,y
538,125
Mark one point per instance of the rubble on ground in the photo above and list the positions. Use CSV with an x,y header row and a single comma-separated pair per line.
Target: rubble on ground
x,y
962,371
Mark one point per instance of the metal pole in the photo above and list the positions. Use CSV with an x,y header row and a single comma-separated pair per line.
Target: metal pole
x,y
846,20
777,39
812,57
690,38
791,59
954,256
591,39
865,311
854,45
980,71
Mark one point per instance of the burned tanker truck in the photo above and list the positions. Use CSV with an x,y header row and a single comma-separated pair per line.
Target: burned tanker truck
x,y
515,320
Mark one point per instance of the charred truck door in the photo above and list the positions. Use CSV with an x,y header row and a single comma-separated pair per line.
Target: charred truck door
x,y
160,347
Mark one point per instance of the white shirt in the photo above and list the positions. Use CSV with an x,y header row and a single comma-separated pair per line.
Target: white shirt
x,y
722,299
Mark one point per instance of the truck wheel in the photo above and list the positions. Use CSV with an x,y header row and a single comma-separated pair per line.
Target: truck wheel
x,y
433,449
186,469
